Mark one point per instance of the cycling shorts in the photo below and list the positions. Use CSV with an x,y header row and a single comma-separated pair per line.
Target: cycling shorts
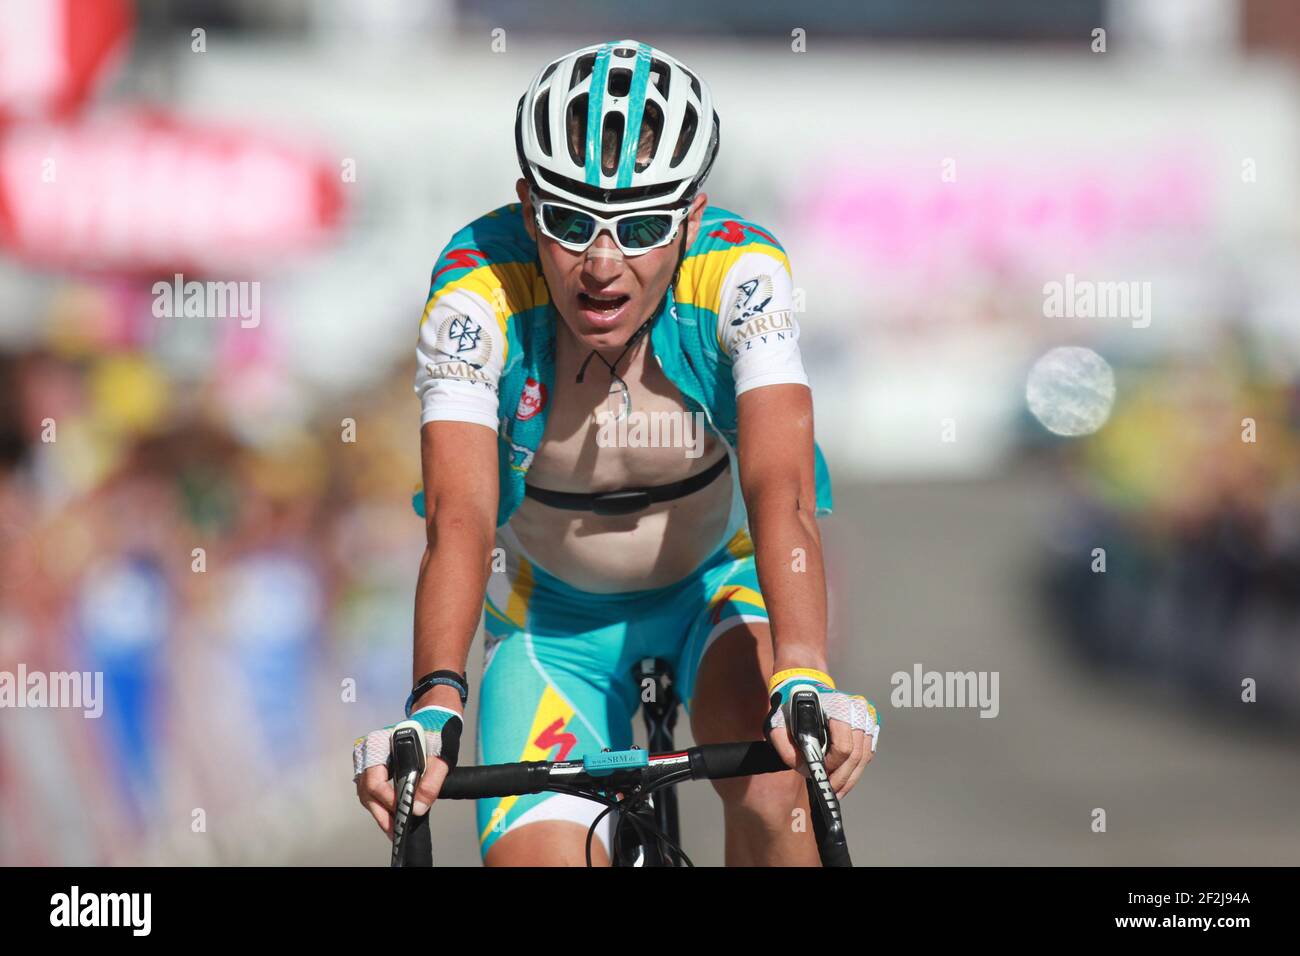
x,y
558,677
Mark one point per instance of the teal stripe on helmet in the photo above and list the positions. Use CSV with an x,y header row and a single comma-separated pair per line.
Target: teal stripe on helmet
x,y
635,112
595,100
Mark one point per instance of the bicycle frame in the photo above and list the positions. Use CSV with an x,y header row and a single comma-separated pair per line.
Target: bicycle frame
x,y
659,712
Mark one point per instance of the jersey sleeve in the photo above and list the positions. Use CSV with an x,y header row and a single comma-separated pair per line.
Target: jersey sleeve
x,y
756,324
460,356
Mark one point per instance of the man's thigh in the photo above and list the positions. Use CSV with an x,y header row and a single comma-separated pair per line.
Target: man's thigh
x,y
729,697
546,843
727,657
543,699
725,666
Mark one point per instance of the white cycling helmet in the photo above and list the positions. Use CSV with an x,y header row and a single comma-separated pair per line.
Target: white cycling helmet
x,y
571,123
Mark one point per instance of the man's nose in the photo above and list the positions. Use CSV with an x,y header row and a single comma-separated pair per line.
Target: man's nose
x,y
603,261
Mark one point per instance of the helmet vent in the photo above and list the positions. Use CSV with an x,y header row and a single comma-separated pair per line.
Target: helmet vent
x,y
582,69
659,74
620,82
653,123
611,143
541,122
576,124
684,139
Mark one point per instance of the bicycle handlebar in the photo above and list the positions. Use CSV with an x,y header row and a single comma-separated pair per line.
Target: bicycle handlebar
x,y
705,762
498,780
720,761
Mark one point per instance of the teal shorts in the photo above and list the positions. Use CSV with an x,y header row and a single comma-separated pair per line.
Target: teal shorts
x,y
558,679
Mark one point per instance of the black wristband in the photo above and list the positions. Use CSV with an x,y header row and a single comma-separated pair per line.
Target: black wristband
x,y
435,679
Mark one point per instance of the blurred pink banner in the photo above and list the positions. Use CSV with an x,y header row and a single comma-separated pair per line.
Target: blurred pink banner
x,y
1009,213
147,191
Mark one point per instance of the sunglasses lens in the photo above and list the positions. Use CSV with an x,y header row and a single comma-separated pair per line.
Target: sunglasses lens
x,y
644,231
567,225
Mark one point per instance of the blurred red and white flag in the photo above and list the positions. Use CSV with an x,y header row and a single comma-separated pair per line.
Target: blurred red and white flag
x,y
54,53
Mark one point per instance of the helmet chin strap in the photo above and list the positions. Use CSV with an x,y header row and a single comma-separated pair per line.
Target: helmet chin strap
x,y
612,366
593,252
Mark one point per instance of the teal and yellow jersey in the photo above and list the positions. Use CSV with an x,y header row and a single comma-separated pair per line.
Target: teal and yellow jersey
x,y
486,352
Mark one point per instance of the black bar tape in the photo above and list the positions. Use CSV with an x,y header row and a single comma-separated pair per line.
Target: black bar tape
x,y
720,761
497,780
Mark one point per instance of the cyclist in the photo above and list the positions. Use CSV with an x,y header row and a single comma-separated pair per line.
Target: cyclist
x,y
618,462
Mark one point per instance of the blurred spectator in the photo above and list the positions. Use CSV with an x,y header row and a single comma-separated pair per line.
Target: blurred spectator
x,y
1201,530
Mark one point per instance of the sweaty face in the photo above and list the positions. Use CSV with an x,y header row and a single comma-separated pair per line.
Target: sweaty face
x,y
602,295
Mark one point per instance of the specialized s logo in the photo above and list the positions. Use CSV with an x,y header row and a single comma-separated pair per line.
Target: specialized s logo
x,y
720,602
734,232
752,299
556,736
460,259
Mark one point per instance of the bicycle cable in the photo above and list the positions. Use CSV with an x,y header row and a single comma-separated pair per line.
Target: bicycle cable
x,y
627,816
645,830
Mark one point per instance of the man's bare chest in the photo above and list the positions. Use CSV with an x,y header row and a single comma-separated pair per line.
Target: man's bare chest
x,y
605,434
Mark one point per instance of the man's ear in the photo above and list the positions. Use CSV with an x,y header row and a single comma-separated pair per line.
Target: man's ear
x,y
526,208
694,217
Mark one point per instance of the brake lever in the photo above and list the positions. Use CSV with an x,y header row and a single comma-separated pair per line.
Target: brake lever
x,y
808,727
412,843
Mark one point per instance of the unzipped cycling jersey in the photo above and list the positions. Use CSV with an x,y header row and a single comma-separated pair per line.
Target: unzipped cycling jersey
x,y
487,337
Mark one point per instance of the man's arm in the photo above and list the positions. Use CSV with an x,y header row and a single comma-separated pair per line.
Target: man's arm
x,y
777,478
459,461
459,359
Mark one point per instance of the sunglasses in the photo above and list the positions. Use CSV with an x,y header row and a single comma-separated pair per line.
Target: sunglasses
x,y
634,233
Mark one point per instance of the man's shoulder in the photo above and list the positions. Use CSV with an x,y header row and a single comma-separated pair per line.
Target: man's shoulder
x,y
492,252
724,231
723,241
494,238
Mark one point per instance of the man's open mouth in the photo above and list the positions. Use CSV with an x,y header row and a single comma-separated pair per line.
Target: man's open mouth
x,y
602,303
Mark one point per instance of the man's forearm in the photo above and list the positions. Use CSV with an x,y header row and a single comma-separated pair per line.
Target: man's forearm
x,y
788,555
449,599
